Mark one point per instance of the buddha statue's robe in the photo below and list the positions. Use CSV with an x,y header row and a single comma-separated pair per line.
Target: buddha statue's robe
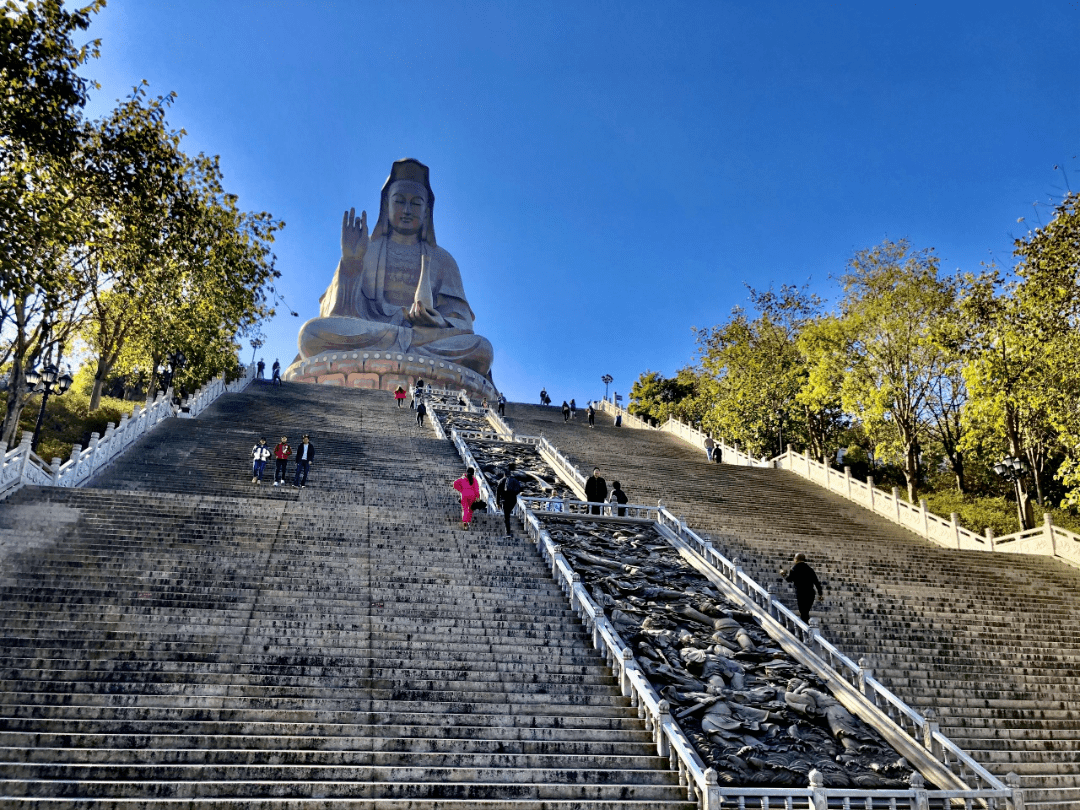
x,y
365,308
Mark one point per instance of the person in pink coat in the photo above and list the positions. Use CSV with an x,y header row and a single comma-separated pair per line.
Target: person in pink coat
x,y
469,488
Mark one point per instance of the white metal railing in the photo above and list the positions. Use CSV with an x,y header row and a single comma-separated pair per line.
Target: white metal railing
x,y
1049,540
22,466
759,600
701,782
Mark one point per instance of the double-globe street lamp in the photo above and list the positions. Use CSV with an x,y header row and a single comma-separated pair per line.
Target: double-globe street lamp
x,y
607,380
45,382
1013,469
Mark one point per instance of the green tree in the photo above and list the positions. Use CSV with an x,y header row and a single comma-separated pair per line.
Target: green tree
x,y
41,187
756,371
893,302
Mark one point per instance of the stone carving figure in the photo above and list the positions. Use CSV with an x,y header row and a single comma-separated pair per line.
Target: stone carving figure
x,y
396,289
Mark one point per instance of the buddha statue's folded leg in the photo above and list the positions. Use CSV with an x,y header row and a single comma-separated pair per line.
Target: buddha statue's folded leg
x,y
465,348
349,334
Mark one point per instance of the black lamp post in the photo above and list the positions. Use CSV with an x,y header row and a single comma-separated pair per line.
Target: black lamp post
x,y
46,382
1013,469
607,380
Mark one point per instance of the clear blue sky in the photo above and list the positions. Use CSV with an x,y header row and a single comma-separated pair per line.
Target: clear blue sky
x,y
609,174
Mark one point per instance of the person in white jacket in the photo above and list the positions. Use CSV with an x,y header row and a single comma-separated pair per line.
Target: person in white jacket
x,y
260,454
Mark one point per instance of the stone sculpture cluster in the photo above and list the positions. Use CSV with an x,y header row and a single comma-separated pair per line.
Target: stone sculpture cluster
x,y
461,420
536,475
755,714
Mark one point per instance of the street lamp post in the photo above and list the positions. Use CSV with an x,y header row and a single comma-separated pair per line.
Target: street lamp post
x,y
42,382
607,380
1013,469
256,344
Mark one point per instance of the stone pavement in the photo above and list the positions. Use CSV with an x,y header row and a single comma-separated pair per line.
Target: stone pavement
x,y
176,635
991,641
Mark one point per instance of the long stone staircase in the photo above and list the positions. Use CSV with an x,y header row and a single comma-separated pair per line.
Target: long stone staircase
x,y
175,635
990,641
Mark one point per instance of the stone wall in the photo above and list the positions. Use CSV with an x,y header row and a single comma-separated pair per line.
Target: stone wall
x,y
386,371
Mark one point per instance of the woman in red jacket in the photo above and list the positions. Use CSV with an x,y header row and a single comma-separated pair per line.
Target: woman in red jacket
x,y
281,460
468,486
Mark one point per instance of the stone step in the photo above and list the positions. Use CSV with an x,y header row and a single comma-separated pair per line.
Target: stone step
x,y
415,783
337,803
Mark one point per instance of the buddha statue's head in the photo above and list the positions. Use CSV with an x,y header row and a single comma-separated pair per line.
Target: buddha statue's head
x,y
407,203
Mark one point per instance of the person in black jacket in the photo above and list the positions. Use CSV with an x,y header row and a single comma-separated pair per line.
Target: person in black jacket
x,y
804,579
595,490
619,497
506,494
305,456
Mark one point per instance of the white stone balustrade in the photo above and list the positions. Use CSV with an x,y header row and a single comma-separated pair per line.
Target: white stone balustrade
x,y
1048,539
670,740
21,466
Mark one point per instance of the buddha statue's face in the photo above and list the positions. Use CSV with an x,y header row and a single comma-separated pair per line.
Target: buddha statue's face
x,y
408,201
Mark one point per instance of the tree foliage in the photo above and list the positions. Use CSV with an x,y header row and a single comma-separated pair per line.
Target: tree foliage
x,y
112,233
925,374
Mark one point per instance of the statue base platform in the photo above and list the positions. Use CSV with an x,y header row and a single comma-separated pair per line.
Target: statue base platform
x,y
386,371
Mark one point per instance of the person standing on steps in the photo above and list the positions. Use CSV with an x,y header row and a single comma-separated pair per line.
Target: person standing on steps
x,y
618,497
260,367
544,397
592,415
260,454
573,408
281,460
502,405
565,411
468,486
421,412
275,371
595,491
506,494
802,576
710,446
399,395
305,456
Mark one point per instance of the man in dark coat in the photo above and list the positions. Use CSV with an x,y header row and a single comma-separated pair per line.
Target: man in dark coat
x,y
804,579
596,490
506,494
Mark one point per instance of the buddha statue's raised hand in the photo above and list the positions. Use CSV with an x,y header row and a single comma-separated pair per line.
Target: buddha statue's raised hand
x,y
354,235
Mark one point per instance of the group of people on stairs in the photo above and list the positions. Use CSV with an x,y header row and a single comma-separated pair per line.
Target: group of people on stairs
x,y
305,457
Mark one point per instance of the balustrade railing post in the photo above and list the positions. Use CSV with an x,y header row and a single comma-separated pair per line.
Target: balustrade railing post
x,y
574,580
847,481
663,715
74,458
771,588
864,673
870,489
815,633
24,453
896,502
95,438
818,799
55,467
809,475
1048,529
920,800
990,537
925,517
955,518
624,676
712,799
1017,800
931,727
